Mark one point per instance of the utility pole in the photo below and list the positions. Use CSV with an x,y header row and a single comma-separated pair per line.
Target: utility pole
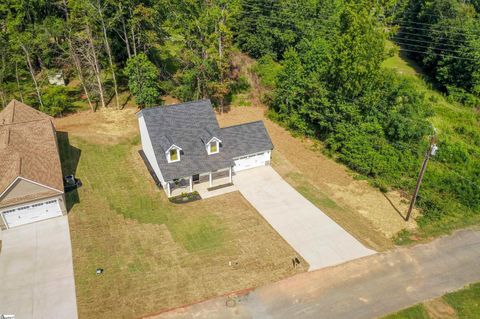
x,y
432,148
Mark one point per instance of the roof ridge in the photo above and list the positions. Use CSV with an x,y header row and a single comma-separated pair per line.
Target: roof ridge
x,y
242,124
30,121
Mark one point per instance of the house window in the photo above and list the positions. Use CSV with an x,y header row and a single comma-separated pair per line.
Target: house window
x,y
213,147
174,155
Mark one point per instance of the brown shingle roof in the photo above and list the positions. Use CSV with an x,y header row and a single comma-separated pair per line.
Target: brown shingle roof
x,y
18,112
28,147
27,198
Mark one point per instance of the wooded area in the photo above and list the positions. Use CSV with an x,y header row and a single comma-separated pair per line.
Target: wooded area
x,y
320,59
180,47
330,83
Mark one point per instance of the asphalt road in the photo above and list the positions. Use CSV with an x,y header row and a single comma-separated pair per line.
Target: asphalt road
x,y
365,288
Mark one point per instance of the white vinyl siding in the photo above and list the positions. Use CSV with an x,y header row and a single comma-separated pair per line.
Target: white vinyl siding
x,y
148,148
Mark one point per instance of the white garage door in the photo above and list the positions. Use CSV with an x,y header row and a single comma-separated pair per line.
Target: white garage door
x,y
30,213
250,161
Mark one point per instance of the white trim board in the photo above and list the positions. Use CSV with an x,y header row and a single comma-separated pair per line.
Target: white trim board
x,y
30,181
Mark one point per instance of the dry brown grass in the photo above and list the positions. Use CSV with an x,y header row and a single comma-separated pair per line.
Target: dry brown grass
x,y
157,255
106,126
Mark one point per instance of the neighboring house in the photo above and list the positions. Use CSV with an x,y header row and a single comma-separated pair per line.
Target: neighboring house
x,y
184,146
31,182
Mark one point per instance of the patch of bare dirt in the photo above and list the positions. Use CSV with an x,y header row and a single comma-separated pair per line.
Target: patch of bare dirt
x,y
106,126
167,100
439,309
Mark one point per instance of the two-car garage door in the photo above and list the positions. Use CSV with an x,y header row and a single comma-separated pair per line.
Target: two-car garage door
x,y
29,213
252,160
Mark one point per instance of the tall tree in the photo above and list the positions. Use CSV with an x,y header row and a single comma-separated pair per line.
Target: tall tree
x,y
97,5
143,80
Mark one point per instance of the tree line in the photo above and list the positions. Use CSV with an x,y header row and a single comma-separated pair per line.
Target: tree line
x,y
178,47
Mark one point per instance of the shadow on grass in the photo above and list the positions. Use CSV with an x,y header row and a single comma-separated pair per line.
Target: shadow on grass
x,y
70,157
150,169
420,72
411,63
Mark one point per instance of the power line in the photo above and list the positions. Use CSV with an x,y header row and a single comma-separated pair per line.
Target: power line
x,y
458,174
428,47
431,42
445,55
431,30
429,24
330,31
426,14
432,37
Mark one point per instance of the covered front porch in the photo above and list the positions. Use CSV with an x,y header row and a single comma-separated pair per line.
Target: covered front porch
x,y
201,183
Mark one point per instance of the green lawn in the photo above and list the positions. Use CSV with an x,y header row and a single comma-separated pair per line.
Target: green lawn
x,y
156,254
465,304
415,312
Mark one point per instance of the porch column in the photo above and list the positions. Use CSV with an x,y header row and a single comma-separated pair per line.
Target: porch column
x,y
191,184
210,178
168,189
230,174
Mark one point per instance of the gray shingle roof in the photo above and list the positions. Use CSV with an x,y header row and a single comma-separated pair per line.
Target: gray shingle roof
x,y
165,142
245,139
188,125
207,134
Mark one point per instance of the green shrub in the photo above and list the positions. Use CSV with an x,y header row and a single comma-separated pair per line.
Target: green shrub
x,y
240,85
56,100
268,69
456,94
452,153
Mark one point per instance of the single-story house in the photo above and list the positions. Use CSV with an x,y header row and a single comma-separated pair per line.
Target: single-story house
x,y
185,146
31,181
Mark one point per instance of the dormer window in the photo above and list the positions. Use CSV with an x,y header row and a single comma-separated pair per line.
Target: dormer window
x,y
173,154
211,140
213,147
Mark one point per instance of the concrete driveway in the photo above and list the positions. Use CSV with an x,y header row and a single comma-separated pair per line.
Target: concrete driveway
x,y
317,238
36,271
